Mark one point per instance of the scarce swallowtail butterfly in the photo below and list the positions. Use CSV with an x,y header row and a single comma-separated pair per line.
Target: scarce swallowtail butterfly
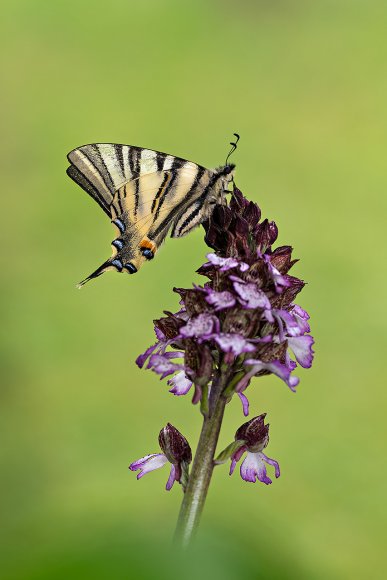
x,y
146,193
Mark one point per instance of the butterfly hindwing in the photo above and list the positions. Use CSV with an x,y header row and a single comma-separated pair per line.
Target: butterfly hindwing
x,y
145,209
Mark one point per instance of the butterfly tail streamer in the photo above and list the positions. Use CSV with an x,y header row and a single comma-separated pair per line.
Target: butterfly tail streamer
x,y
103,268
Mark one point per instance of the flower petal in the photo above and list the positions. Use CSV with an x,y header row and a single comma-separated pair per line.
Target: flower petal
x,y
200,327
250,296
302,348
180,383
253,467
233,343
227,263
273,463
245,403
148,463
140,360
236,457
277,368
283,317
161,365
280,282
302,318
220,300
159,334
171,478
232,466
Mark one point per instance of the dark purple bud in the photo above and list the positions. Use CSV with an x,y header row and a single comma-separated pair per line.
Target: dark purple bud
x,y
241,227
255,434
270,351
222,217
281,259
252,214
288,295
238,202
174,445
216,228
194,300
266,235
169,325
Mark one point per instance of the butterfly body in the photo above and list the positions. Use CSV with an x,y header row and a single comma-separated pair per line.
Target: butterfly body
x,y
146,194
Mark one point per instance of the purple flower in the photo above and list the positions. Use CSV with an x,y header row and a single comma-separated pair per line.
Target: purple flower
x,y
180,384
201,326
227,263
302,318
220,300
176,451
233,343
250,296
162,365
302,349
254,436
279,369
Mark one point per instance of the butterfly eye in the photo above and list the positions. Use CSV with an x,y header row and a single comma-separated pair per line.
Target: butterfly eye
x,y
147,253
130,267
117,264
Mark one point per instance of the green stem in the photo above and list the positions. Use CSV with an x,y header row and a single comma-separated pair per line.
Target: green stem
x,y
202,468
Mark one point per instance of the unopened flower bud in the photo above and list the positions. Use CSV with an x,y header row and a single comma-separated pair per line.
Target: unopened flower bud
x,y
174,445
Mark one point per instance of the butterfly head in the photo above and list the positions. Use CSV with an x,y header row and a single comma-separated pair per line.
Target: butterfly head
x,y
226,176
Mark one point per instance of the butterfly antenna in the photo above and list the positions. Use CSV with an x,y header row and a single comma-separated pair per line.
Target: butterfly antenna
x,y
234,145
95,274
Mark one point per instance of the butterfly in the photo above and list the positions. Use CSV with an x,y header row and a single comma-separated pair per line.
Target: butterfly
x,y
146,194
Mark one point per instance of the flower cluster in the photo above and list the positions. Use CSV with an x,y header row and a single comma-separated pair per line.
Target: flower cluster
x,y
244,317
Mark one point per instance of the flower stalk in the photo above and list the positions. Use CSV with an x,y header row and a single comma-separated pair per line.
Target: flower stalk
x,y
200,476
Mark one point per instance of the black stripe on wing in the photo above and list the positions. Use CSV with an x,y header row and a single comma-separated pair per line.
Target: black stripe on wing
x,y
120,156
183,227
134,157
81,180
99,162
177,164
167,222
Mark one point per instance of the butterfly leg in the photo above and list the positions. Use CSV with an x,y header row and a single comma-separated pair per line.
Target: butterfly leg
x,y
148,248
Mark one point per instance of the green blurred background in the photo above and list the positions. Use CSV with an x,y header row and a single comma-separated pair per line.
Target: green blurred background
x,y
305,84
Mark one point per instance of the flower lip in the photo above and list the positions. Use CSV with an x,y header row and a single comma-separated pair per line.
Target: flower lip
x,y
200,326
148,463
